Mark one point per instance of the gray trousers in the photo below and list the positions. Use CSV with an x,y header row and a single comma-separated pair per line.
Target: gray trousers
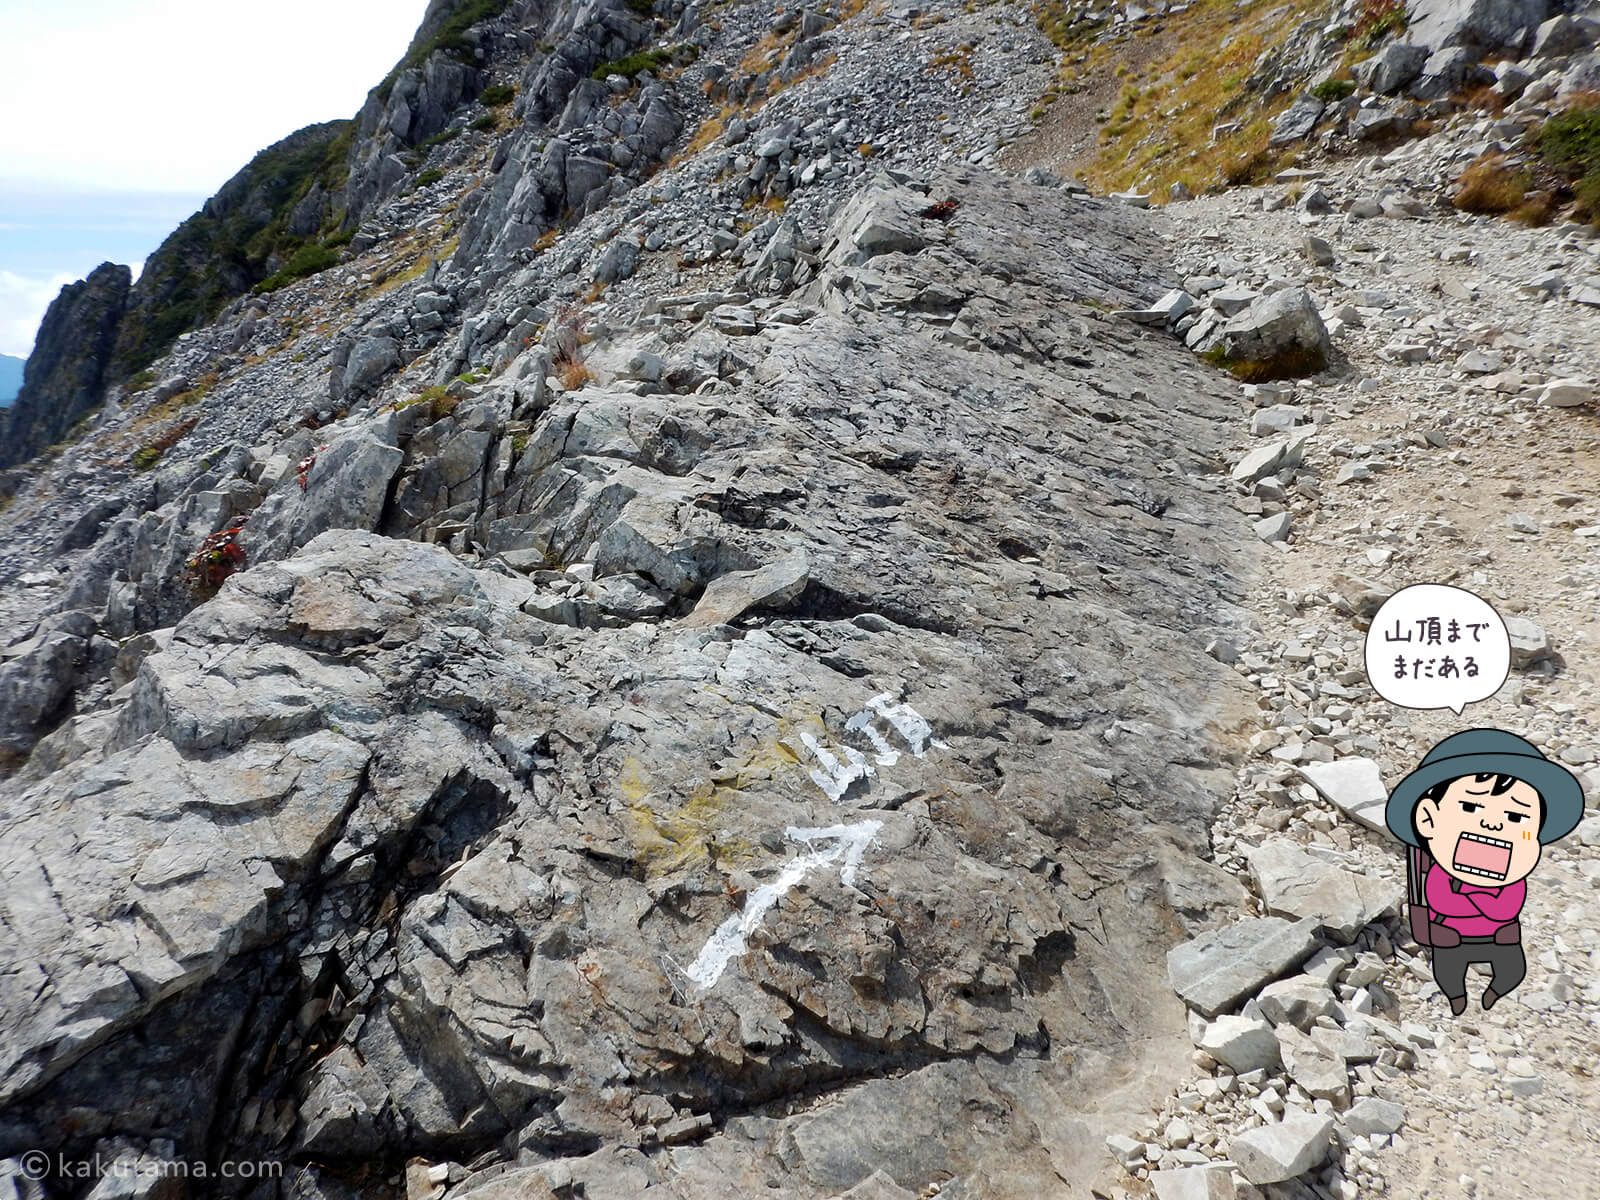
x,y
1450,966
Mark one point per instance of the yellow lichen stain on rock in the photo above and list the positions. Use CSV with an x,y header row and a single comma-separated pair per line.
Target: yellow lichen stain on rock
x,y
670,835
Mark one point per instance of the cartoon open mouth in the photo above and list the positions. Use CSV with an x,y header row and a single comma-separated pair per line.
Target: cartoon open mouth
x,y
1486,856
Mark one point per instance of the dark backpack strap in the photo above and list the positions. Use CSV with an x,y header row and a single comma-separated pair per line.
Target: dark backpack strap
x,y
1417,864
1418,861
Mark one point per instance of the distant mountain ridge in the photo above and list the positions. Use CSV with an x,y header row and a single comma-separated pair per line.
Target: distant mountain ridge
x,y
10,377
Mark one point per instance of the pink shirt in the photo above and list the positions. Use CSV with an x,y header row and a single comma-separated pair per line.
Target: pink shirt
x,y
1473,911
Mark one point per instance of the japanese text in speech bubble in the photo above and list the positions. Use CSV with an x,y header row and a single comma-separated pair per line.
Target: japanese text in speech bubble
x,y
1433,646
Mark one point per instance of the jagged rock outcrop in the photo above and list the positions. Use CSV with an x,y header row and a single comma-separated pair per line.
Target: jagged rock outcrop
x,y
68,368
827,703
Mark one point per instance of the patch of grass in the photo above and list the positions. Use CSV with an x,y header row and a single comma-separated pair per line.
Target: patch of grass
x,y
441,403
1291,364
1489,185
1570,142
1377,20
545,240
573,373
1537,208
651,60
960,59
148,455
429,177
307,260
710,130
497,94
1334,89
142,380
1159,128
439,139
487,121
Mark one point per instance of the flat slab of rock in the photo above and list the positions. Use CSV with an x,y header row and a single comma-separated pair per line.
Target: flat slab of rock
x,y
1210,1182
1354,785
728,596
1273,1153
1217,970
1295,884
1372,1115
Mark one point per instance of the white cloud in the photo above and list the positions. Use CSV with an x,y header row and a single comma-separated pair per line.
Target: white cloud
x,y
23,300
177,95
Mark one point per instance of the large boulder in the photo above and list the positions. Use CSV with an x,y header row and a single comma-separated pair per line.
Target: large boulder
x,y
1392,68
1479,25
1282,331
371,358
69,368
1297,121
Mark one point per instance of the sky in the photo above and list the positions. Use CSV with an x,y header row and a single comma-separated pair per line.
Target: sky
x,y
123,116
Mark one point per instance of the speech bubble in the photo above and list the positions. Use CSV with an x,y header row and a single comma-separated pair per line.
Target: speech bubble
x,y
1435,646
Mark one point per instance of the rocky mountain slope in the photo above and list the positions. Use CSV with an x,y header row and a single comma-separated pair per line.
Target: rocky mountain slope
x,y
685,630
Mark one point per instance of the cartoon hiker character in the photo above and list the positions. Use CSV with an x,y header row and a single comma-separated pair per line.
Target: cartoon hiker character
x,y
1476,813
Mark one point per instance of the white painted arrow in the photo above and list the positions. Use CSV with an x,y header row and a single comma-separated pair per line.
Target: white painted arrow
x,y
835,777
728,942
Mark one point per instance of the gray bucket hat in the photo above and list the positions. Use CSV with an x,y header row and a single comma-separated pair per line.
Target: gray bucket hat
x,y
1479,752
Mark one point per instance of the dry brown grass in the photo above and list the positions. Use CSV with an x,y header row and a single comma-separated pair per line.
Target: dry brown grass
x,y
959,59
1158,132
710,130
1489,185
573,373
1483,99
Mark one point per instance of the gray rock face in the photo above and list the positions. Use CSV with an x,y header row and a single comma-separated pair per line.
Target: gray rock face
x,y
1216,970
729,596
1210,1182
1371,1115
385,861
370,360
1449,70
1392,68
1529,642
68,369
37,678
1480,25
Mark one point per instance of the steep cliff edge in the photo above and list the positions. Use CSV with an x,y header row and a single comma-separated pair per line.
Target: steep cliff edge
x,y
70,365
